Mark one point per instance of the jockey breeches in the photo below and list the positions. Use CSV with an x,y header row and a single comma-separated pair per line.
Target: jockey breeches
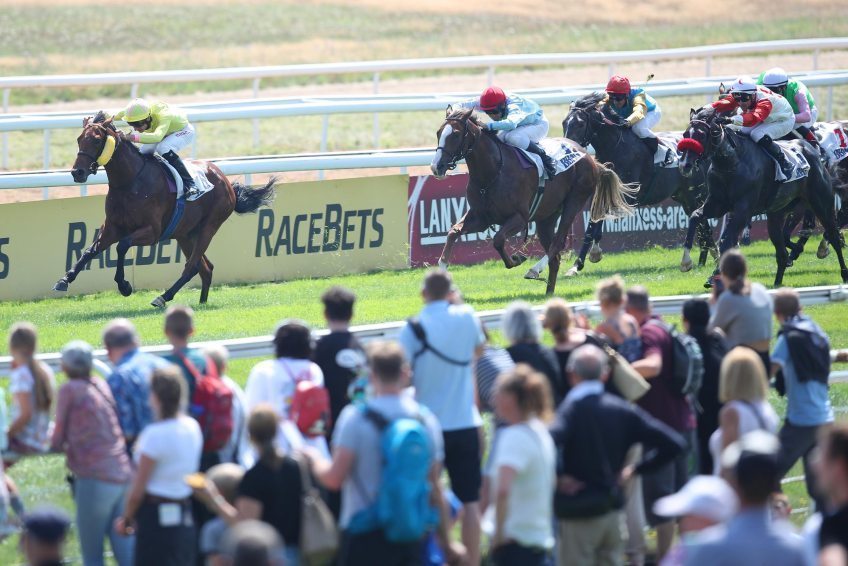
x,y
814,116
775,130
521,136
642,128
172,142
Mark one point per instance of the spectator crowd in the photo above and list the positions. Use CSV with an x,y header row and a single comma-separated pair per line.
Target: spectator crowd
x,y
443,447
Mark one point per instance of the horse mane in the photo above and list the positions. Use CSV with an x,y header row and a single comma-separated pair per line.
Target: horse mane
x,y
706,113
464,114
589,101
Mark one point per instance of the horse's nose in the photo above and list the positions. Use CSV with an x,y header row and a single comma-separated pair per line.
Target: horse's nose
x,y
78,174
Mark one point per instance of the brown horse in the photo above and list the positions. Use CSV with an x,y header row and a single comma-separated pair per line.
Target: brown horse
x,y
500,191
140,207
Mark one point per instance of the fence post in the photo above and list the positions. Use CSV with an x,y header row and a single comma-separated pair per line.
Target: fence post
x,y
256,120
490,75
816,59
708,68
134,90
830,103
6,93
610,69
376,139
45,192
325,124
84,190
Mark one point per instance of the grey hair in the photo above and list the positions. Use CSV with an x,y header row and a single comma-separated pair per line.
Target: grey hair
x,y
521,324
588,362
120,333
77,358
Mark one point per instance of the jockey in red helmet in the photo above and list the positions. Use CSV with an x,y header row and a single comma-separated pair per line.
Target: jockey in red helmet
x,y
633,105
518,121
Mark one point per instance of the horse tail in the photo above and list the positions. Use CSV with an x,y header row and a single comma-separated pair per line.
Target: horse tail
x,y
249,199
612,198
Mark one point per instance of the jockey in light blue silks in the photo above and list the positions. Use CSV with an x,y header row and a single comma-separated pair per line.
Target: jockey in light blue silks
x,y
518,121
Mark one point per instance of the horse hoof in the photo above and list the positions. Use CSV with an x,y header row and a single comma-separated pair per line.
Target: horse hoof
x,y
531,274
158,302
61,285
708,284
844,276
686,266
518,259
443,265
126,288
823,251
572,271
596,256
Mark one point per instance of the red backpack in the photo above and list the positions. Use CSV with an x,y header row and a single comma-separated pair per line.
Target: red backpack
x,y
211,405
310,407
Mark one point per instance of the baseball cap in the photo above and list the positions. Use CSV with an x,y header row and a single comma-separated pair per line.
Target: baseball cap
x,y
709,497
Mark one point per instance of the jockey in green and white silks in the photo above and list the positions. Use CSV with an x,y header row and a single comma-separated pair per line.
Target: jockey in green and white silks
x,y
799,98
162,129
518,121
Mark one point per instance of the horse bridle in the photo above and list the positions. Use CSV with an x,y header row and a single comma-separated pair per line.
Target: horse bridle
x,y
714,139
92,167
464,152
586,112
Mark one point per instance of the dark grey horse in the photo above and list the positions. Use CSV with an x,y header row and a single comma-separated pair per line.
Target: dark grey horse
x,y
615,143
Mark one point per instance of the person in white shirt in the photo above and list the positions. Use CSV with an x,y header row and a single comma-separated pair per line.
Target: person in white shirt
x,y
158,507
519,523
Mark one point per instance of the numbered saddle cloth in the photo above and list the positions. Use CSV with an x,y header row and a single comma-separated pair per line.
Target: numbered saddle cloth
x,y
666,155
834,140
560,150
198,174
800,166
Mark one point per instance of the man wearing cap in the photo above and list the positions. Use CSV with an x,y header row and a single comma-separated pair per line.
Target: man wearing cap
x,y
705,501
43,537
751,537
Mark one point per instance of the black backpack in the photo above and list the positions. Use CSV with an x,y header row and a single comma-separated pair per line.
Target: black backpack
x,y
688,371
809,349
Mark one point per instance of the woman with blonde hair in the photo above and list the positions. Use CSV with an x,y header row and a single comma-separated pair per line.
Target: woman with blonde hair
x,y
620,328
743,389
519,522
559,320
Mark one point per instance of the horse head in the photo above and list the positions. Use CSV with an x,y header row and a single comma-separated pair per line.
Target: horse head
x,y
96,144
586,117
704,132
456,138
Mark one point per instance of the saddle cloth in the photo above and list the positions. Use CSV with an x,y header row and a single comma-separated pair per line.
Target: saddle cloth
x,y
562,153
203,184
834,141
800,166
666,155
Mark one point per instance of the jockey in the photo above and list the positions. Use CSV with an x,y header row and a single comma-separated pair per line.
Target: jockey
x,y
161,129
765,116
799,98
518,121
640,111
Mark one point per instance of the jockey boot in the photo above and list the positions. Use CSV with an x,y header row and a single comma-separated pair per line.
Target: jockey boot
x,y
547,160
189,190
652,144
772,149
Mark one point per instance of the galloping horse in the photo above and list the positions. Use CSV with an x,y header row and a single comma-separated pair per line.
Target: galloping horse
x,y
586,124
500,191
139,207
741,182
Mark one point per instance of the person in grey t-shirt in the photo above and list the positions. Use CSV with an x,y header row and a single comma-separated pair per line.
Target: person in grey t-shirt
x,y
356,466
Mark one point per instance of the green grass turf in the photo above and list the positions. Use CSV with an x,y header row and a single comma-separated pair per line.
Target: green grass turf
x,y
251,310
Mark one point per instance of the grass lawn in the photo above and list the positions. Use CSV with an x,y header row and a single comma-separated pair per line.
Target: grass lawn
x,y
251,310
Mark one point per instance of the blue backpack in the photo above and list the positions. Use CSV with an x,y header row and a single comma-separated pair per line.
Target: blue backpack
x,y
402,509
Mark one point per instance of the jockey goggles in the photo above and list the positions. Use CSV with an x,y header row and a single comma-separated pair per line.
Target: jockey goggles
x,y
618,96
138,123
742,96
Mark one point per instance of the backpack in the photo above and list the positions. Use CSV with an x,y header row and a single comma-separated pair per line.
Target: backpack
x,y
809,349
688,371
418,330
310,406
211,405
310,409
402,509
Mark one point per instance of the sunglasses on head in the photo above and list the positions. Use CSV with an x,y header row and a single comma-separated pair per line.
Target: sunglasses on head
x,y
743,96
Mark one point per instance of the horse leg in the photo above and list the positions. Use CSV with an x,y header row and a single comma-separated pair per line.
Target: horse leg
x,y
588,239
775,231
469,222
108,236
596,254
193,263
142,237
513,225
545,232
571,208
695,219
831,233
206,268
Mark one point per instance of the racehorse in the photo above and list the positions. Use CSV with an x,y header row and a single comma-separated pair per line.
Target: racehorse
x,y
615,143
140,207
500,191
741,182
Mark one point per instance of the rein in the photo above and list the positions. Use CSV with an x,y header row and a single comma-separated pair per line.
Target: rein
x,y
105,154
591,119
467,148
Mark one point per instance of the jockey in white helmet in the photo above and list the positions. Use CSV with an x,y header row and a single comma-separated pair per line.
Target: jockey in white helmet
x,y
800,99
765,116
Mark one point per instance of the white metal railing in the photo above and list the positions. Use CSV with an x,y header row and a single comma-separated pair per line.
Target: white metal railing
x,y
262,345
326,106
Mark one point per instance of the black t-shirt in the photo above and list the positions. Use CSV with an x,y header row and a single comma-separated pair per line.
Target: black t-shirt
x,y
542,359
337,377
834,529
279,491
